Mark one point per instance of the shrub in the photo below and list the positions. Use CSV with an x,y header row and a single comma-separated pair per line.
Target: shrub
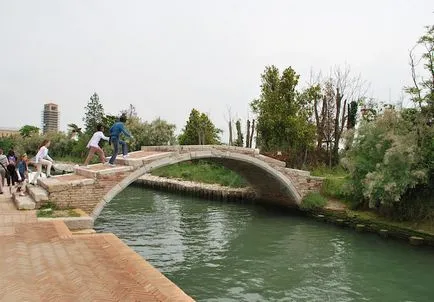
x,y
313,200
385,161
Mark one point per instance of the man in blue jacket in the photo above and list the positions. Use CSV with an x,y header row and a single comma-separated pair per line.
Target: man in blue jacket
x,y
115,132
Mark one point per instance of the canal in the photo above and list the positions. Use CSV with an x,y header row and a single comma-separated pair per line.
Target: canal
x,y
217,251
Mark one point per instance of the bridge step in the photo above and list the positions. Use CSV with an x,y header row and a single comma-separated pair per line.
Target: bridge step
x,y
63,182
23,202
95,170
38,194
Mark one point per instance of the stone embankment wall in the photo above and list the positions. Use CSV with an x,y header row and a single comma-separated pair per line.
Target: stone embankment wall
x,y
209,191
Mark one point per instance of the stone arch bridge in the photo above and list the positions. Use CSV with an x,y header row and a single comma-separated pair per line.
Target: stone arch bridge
x,y
90,188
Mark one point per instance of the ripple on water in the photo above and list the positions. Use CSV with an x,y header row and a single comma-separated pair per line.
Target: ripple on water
x,y
235,252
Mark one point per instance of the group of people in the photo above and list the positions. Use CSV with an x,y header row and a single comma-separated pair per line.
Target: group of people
x,y
16,170
116,130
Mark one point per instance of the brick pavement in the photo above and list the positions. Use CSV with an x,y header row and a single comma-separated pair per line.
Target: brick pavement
x,y
43,261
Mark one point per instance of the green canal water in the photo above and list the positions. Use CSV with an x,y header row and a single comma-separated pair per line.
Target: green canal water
x,y
217,251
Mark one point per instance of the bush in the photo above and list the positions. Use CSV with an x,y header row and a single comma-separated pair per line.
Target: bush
x,y
313,200
386,161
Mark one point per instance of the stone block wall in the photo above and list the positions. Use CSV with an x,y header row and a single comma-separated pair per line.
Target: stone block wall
x,y
84,194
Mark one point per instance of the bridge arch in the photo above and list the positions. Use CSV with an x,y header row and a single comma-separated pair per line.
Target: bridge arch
x,y
270,184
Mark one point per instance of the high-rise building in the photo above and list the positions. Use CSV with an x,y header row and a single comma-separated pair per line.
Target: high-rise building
x,y
50,118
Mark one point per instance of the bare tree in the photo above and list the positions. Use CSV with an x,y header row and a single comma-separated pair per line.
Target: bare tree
x,y
330,97
349,89
229,121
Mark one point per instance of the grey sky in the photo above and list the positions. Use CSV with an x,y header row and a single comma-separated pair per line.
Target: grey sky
x,y
166,57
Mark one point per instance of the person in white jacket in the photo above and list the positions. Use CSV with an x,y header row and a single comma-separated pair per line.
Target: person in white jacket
x,y
94,147
42,158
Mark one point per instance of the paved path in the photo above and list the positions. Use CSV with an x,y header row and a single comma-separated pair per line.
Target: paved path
x,y
43,261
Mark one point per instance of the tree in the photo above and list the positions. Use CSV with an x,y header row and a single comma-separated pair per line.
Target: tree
x,y
28,130
130,112
156,133
422,94
161,133
240,139
248,133
422,91
108,121
94,113
335,102
199,130
73,128
229,121
282,114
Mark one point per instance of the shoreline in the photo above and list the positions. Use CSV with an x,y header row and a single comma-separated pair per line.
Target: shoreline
x,y
339,216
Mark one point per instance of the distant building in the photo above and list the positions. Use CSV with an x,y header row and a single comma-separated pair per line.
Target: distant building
x,y
50,118
7,132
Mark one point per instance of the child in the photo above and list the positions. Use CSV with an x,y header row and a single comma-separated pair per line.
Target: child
x,y
94,147
42,158
22,174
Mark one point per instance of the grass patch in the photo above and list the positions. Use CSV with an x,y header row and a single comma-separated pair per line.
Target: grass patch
x,y
334,187
70,159
426,225
202,171
313,200
324,171
335,182
50,210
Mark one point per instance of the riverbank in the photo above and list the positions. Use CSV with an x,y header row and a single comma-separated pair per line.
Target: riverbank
x,y
197,189
44,260
334,212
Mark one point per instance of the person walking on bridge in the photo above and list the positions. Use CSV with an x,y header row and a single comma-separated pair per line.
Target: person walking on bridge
x,y
115,131
94,147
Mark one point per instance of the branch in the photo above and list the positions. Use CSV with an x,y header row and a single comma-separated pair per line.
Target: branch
x,y
414,77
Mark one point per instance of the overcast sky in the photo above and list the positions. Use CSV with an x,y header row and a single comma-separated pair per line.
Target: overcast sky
x,y
166,57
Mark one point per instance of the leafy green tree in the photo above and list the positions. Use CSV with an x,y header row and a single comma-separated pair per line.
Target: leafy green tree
x,y
94,113
28,130
108,121
156,133
199,130
282,114
161,133
6,143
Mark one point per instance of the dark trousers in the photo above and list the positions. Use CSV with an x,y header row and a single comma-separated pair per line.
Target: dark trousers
x,y
115,143
11,176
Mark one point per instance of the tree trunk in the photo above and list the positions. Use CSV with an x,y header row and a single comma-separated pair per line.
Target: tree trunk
x,y
337,132
230,133
248,134
251,133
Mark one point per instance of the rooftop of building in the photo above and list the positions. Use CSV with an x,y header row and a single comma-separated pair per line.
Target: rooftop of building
x,y
9,129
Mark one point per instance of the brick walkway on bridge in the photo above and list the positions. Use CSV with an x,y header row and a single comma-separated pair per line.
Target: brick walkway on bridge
x,y
44,261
